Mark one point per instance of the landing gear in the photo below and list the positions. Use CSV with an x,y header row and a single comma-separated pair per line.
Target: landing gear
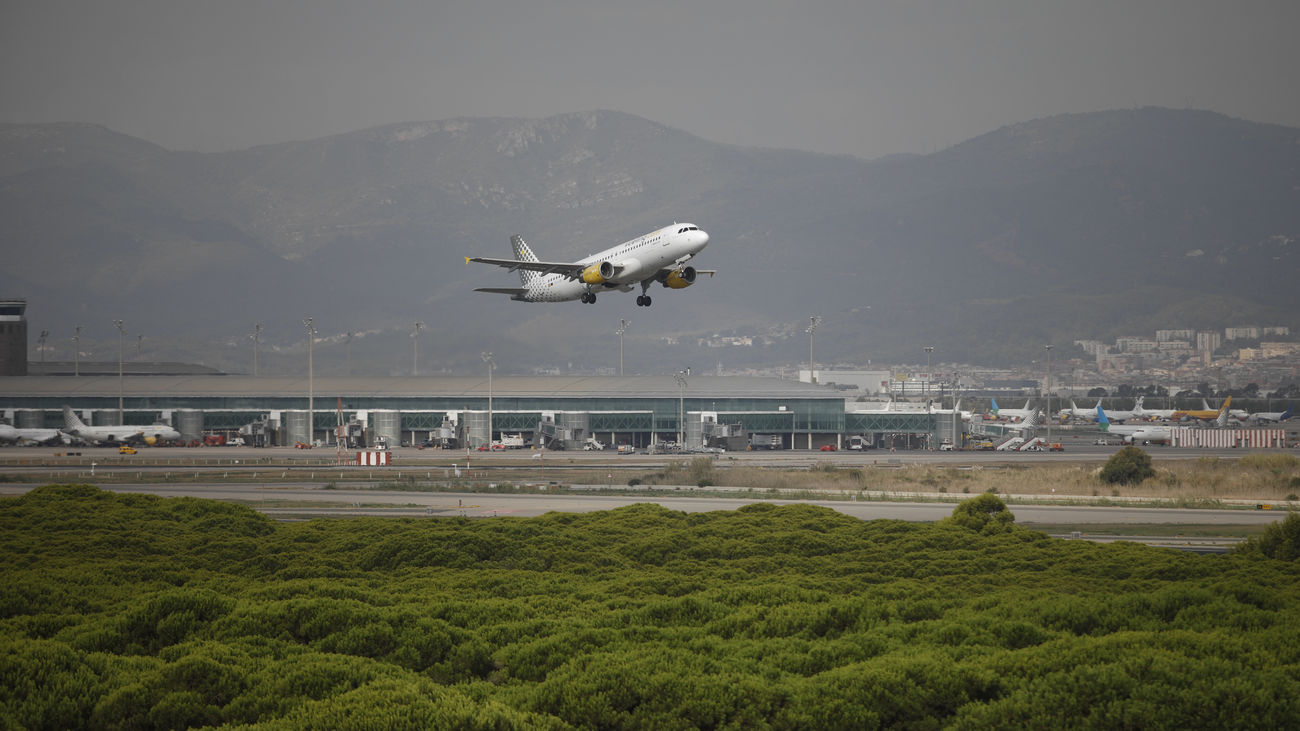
x,y
588,298
643,300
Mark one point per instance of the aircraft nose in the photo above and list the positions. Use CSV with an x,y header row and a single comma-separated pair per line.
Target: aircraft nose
x,y
704,237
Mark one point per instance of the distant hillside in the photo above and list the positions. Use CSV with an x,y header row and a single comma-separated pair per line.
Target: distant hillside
x,y
1073,226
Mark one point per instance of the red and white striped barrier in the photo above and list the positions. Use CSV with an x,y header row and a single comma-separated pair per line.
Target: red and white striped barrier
x,y
1228,438
374,459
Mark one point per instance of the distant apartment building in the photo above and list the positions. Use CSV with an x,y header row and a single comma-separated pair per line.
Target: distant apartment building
x,y
1208,340
1277,330
1279,350
1249,332
1176,347
1136,345
1091,347
1168,335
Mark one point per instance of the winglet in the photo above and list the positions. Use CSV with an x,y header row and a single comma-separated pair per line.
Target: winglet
x,y
467,260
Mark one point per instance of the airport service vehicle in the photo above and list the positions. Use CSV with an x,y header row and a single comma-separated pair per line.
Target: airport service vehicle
x,y
594,445
858,442
764,441
829,448
659,256
126,449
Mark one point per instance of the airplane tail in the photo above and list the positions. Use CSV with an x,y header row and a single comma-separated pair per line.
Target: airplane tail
x,y
523,253
995,405
70,420
1102,422
1285,414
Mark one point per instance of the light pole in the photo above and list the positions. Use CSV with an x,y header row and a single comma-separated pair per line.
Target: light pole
x,y
813,322
622,328
1048,390
928,350
680,377
311,384
121,382
76,352
415,358
139,343
257,339
487,358
41,340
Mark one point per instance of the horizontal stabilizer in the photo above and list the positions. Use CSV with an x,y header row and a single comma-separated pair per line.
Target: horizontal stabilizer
x,y
512,291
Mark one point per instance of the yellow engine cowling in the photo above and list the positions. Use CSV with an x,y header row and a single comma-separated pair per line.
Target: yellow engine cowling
x,y
151,441
597,273
680,279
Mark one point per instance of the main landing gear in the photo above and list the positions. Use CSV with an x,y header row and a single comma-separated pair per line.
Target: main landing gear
x,y
588,298
643,300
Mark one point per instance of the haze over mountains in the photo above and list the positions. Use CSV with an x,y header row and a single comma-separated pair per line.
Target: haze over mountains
x,y
1082,225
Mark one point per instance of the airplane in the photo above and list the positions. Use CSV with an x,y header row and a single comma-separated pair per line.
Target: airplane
x,y
27,435
1120,415
1206,414
1143,412
659,256
1074,412
151,434
1013,414
1134,434
956,408
1273,416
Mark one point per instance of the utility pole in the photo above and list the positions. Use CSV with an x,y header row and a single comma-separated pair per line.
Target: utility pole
x,y
41,340
76,352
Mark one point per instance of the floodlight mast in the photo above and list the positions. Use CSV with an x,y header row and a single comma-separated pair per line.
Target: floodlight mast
x,y
622,328
813,322
121,382
487,358
311,385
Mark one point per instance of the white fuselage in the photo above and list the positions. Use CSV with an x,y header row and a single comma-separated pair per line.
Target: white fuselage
x,y
634,261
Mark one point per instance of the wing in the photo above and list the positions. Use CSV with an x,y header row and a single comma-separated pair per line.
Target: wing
x,y
570,270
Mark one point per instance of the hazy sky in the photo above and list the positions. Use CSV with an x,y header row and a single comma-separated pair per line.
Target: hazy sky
x,y
857,77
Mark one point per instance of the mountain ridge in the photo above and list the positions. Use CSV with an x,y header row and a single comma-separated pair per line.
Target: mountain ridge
x,y
367,229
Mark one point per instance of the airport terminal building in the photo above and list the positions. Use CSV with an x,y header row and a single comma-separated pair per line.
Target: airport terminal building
x,y
559,412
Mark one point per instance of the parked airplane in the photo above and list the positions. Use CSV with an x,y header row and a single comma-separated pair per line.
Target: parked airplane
x,y
24,435
1120,415
1265,416
956,408
1074,412
150,434
1134,434
659,256
1143,412
1206,414
1013,414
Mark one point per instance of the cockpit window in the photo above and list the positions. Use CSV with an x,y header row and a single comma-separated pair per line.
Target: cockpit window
x,y
688,228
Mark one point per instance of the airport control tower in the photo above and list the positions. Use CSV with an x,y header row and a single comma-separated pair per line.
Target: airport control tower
x,y
13,338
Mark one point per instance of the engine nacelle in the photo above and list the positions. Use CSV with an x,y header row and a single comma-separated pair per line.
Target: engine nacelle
x,y
597,273
680,279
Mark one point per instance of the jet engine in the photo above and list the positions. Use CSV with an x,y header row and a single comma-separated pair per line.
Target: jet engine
x,y
597,273
679,279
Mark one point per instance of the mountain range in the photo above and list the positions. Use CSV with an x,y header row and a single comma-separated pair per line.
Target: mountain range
x,y
1074,226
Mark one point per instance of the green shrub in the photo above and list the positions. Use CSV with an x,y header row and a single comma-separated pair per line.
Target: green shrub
x,y
984,514
1128,466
